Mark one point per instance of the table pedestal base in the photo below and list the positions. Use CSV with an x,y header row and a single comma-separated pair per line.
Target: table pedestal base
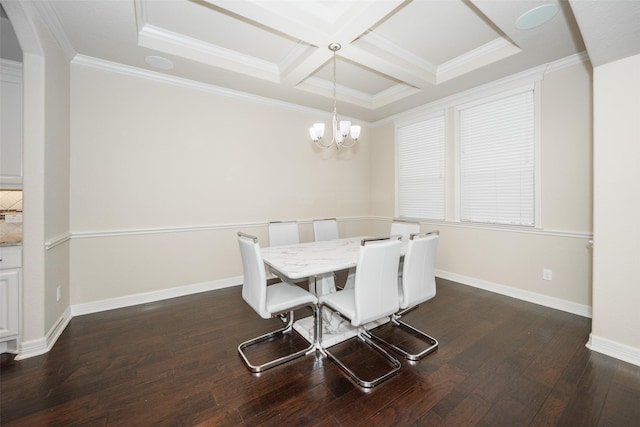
x,y
332,336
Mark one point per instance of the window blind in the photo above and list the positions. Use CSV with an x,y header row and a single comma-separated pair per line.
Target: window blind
x,y
497,164
421,169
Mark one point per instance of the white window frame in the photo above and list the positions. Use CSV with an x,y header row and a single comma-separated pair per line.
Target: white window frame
x,y
457,156
410,121
450,108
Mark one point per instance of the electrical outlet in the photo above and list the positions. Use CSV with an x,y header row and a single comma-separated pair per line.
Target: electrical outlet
x,y
547,274
58,293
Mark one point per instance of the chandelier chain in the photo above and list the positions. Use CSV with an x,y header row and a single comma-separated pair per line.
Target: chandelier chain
x,y
334,84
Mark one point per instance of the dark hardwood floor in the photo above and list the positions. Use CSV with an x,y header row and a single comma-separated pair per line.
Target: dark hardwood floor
x,y
501,362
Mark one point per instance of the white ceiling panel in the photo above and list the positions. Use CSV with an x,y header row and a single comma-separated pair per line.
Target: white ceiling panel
x,y
395,55
207,24
355,76
437,34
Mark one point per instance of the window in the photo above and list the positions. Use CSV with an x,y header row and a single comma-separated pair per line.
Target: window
x,y
493,177
497,160
421,168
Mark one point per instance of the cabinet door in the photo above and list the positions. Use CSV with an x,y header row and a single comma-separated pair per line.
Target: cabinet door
x,y
9,303
11,127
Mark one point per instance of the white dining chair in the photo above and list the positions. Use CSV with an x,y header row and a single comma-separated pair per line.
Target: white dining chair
x,y
270,301
404,228
283,233
373,296
417,285
325,229
400,227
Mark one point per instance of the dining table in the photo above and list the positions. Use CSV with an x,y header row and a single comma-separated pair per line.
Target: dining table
x,y
318,261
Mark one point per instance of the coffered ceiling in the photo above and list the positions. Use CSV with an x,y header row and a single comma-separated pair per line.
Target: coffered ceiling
x,y
395,54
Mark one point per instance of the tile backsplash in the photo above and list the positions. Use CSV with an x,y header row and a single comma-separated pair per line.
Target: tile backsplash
x,y
10,200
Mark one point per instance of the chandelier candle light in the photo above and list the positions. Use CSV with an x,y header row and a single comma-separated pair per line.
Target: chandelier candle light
x,y
342,129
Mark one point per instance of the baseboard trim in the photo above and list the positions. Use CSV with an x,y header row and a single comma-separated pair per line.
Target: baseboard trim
x,y
614,349
540,299
40,346
146,297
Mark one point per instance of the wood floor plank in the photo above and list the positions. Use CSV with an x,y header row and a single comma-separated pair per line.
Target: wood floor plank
x,y
556,402
551,361
411,405
469,412
622,404
586,403
501,362
507,411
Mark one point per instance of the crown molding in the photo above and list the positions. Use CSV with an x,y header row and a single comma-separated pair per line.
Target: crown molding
x,y
114,67
324,87
356,97
531,75
569,61
394,93
489,53
157,38
288,62
373,39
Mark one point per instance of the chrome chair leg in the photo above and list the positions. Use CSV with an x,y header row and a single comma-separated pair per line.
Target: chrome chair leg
x,y
266,337
396,322
365,338
360,381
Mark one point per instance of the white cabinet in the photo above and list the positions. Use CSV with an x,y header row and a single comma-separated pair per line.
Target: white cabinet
x,y
11,124
9,309
10,271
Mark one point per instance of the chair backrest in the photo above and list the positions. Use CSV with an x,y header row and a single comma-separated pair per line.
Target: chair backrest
x,y
283,233
418,274
325,229
404,229
376,282
254,283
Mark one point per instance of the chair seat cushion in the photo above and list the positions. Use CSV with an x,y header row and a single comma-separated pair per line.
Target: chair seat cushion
x,y
343,301
284,296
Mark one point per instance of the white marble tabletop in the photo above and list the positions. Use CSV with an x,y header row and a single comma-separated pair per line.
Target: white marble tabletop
x,y
314,258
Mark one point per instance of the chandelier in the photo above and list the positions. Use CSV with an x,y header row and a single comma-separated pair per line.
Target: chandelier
x,y
344,135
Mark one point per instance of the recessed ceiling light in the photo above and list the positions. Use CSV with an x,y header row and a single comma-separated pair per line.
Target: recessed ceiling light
x,y
159,62
537,16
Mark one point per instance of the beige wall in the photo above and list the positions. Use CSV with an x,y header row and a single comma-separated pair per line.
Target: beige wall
x,y
616,283
509,261
567,149
148,157
163,175
152,180
383,185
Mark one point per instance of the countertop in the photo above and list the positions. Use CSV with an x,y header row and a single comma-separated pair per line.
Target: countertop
x,y
11,240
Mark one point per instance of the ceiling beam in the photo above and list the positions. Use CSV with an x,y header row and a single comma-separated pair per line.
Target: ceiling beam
x,y
354,20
